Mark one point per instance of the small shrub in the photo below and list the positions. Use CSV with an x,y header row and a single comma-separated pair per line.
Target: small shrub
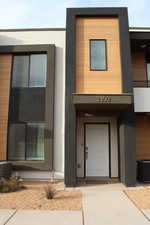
x,y
50,191
10,185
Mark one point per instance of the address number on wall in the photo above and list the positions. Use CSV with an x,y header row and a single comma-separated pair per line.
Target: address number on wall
x,y
104,99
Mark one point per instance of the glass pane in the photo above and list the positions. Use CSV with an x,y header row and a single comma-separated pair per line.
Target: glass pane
x,y
148,71
38,68
20,71
16,146
98,55
35,141
29,105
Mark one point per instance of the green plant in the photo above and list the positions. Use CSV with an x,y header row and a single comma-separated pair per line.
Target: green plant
x,y
10,185
50,191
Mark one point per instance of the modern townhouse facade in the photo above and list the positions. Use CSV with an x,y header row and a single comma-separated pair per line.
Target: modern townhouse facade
x,y
75,101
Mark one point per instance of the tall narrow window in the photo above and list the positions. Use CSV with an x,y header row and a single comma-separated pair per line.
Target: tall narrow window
x,y
16,144
26,138
20,71
38,70
148,74
98,54
35,141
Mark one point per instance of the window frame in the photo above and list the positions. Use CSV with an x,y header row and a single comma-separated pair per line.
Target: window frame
x,y
49,49
90,51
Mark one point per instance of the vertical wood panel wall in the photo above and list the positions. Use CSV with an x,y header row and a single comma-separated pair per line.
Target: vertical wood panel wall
x,y
5,74
139,66
142,137
101,82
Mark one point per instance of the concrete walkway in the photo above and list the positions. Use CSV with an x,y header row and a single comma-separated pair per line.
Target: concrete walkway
x,y
107,205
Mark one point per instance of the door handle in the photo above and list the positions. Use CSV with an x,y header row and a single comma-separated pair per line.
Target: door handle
x,y
86,148
86,152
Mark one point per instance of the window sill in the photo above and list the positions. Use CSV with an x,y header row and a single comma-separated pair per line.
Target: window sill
x,y
31,165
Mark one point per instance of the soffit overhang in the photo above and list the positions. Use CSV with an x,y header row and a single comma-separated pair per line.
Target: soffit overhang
x,y
114,102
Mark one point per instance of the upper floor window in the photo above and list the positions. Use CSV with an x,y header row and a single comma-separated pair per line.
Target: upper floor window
x,y
29,70
98,54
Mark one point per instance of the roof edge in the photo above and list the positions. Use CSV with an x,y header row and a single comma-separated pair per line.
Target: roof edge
x,y
32,29
131,29
139,29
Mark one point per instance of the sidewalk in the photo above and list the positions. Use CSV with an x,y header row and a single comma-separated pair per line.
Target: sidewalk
x,y
39,217
102,205
5,215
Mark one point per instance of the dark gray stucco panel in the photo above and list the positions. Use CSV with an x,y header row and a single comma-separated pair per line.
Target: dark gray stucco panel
x,y
127,147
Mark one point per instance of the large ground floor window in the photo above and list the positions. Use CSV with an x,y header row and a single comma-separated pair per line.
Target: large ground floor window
x,y
26,141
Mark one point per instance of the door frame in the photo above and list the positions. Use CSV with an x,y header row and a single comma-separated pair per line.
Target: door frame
x,y
109,145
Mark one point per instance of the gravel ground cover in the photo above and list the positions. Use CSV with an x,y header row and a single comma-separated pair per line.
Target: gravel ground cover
x,y
140,196
33,197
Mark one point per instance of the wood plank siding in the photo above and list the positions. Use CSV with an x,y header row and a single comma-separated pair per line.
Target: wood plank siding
x,y
94,82
5,74
142,137
139,66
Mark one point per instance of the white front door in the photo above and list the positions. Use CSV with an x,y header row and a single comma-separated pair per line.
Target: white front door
x,y
97,150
